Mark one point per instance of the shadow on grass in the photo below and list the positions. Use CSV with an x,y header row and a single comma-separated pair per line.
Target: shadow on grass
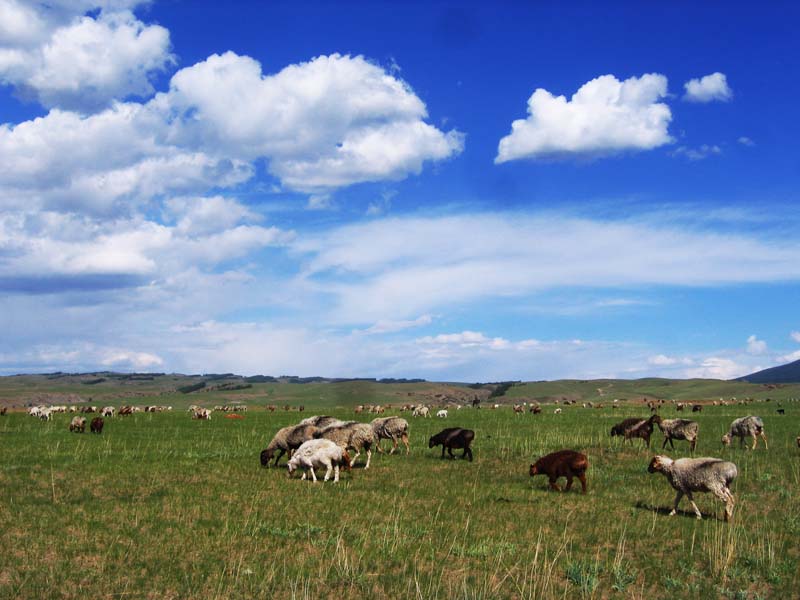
x,y
662,510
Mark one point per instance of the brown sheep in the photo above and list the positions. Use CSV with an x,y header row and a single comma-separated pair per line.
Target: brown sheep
x,y
454,437
96,426
564,463
3,411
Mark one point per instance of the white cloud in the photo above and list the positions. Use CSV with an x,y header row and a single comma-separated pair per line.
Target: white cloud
x,y
136,360
708,89
719,368
756,346
82,63
401,267
605,115
795,335
791,357
389,326
698,153
746,141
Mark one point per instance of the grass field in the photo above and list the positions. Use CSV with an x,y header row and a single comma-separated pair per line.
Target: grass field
x,y
161,506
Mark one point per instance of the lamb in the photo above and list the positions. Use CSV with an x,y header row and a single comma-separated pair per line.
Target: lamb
x,y
746,426
96,426
355,435
288,439
678,429
564,463
442,414
687,475
78,424
453,437
321,422
319,453
390,428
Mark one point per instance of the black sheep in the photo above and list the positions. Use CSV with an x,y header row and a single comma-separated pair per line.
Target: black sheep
x,y
454,437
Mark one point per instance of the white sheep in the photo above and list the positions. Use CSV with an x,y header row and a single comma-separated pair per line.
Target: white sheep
x,y
749,426
421,411
557,411
442,414
319,453
687,475
390,428
108,411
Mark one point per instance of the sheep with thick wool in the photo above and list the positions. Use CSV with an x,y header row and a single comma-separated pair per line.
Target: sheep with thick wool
x,y
351,435
678,429
749,426
322,421
319,453
288,439
688,475
390,428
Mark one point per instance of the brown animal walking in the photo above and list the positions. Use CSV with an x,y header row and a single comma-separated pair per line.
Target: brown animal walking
x,y
564,463
96,426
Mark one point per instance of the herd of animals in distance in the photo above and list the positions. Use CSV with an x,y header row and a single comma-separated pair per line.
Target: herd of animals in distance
x,y
324,442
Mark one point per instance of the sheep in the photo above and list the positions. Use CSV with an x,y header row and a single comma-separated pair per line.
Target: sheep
x,y
3,411
355,435
288,439
536,409
678,429
442,414
78,424
421,411
322,422
202,414
454,437
634,428
564,463
45,414
746,426
96,426
390,428
107,411
697,408
687,475
557,411
319,453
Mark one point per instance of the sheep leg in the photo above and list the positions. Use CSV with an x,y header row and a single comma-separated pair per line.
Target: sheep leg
x,y
694,506
725,495
277,458
405,441
678,497
353,460
313,475
369,457
328,472
394,445
305,474
554,485
336,474
450,452
664,445
378,447
582,479
764,437
467,451
569,483
442,450
693,444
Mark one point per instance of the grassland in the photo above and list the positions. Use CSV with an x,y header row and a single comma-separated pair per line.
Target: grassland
x,y
161,506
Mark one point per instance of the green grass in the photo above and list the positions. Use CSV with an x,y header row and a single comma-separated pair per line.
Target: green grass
x,y
161,506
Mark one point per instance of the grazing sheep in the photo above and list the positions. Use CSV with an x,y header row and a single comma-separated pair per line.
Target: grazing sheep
x,y
321,421
421,411
202,414
564,463
781,411
96,426
536,409
442,414
288,439
634,428
749,426
679,406
319,453
678,429
78,424
125,411
108,411
687,475
390,428
355,435
557,411
454,437
697,408
45,414
3,411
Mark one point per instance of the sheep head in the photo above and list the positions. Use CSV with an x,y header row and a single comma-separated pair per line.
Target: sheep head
x,y
534,469
432,443
658,464
266,456
346,459
726,439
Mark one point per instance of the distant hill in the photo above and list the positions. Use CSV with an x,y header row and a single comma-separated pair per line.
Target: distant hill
x,y
789,373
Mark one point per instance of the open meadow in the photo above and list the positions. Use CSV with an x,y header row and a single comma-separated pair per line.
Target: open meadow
x,y
162,506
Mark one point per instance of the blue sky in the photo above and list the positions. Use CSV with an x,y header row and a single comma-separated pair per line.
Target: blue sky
x,y
450,191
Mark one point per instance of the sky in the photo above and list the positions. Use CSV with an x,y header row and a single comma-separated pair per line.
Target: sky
x,y
459,192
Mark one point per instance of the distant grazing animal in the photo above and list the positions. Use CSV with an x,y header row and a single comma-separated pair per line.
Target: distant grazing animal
x,y
202,414
749,426
125,411
391,428
454,437
319,453
3,411
781,411
96,426
288,439
678,429
687,475
536,409
78,424
519,409
442,414
45,414
679,406
108,411
421,411
697,408
557,411
564,463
